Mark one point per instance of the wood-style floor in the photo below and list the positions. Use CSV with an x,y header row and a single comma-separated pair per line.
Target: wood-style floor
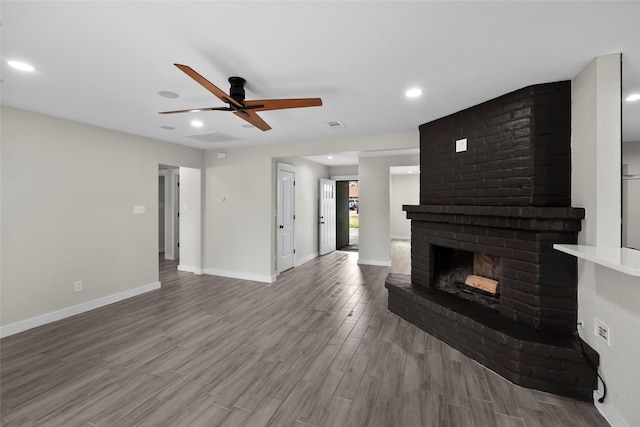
x,y
316,348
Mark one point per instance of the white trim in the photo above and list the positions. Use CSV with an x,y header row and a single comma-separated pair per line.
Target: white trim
x,y
34,322
374,262
401,237
189,269
344,177
240,275
308,258
609,412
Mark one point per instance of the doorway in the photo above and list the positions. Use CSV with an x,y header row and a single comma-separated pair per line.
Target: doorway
x,y
168,212
179,218
347,215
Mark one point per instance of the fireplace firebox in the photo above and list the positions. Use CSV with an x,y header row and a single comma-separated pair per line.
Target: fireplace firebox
x,y
474,276
491,215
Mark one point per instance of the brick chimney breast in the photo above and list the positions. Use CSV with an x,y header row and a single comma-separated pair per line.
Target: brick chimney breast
x,y
508,197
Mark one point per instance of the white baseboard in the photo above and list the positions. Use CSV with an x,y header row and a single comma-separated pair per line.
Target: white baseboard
x,y
189,268
608,411
308,258
401,237
34,322
240,275
374,262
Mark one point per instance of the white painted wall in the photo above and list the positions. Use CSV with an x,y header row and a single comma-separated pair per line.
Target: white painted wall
x,y
240,218
405,190
68,191
374,236
631,195
596,137
610,296
190,220
351,170
240,232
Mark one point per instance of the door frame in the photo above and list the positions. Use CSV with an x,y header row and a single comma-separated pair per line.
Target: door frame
x,y
171,209
342,214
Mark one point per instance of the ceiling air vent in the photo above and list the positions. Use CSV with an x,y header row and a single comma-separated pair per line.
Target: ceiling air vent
x,y
336,124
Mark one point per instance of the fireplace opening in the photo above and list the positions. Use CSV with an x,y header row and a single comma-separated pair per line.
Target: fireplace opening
x,y
474,276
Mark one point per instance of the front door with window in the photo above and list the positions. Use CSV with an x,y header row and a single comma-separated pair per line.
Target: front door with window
x,y
327,220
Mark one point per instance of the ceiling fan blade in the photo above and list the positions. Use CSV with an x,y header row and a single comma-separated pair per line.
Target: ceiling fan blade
x,y
195,110
281,104
208,85
254,119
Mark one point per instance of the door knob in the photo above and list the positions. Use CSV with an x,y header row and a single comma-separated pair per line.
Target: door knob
x,y
282,226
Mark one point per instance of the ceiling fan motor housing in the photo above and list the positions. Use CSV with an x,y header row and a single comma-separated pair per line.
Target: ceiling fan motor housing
x,y
237,88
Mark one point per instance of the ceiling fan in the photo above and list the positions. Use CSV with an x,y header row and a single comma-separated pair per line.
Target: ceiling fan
x,y
246,110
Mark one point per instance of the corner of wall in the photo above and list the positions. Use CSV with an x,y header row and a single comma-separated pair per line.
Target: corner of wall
x,y
605,294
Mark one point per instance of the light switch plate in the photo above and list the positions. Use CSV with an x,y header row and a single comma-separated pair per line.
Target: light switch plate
x,y
461,145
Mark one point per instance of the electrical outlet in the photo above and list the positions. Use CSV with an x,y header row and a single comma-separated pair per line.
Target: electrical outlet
x,y
602,331
77,286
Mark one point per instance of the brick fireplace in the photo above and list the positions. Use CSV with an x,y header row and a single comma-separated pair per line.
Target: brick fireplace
x,y
507,198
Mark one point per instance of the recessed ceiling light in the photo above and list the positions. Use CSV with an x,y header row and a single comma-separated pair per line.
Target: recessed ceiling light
x,y
413,92
329,157
22,66
196,123
633,97
167,94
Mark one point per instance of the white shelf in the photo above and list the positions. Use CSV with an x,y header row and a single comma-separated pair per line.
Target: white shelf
x,y
624,260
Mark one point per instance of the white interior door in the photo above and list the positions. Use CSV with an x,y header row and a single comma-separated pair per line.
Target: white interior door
x,y
285,217
327,233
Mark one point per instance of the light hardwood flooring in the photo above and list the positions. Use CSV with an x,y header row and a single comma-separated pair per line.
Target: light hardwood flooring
x,y
316,348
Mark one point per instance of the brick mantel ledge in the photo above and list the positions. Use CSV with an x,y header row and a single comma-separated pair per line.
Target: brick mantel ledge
x,y
540,219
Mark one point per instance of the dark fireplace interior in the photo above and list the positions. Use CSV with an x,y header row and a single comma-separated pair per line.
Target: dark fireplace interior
x,y
453,267
485,278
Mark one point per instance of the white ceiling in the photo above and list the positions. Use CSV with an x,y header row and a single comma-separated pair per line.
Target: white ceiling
x,y
103,63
